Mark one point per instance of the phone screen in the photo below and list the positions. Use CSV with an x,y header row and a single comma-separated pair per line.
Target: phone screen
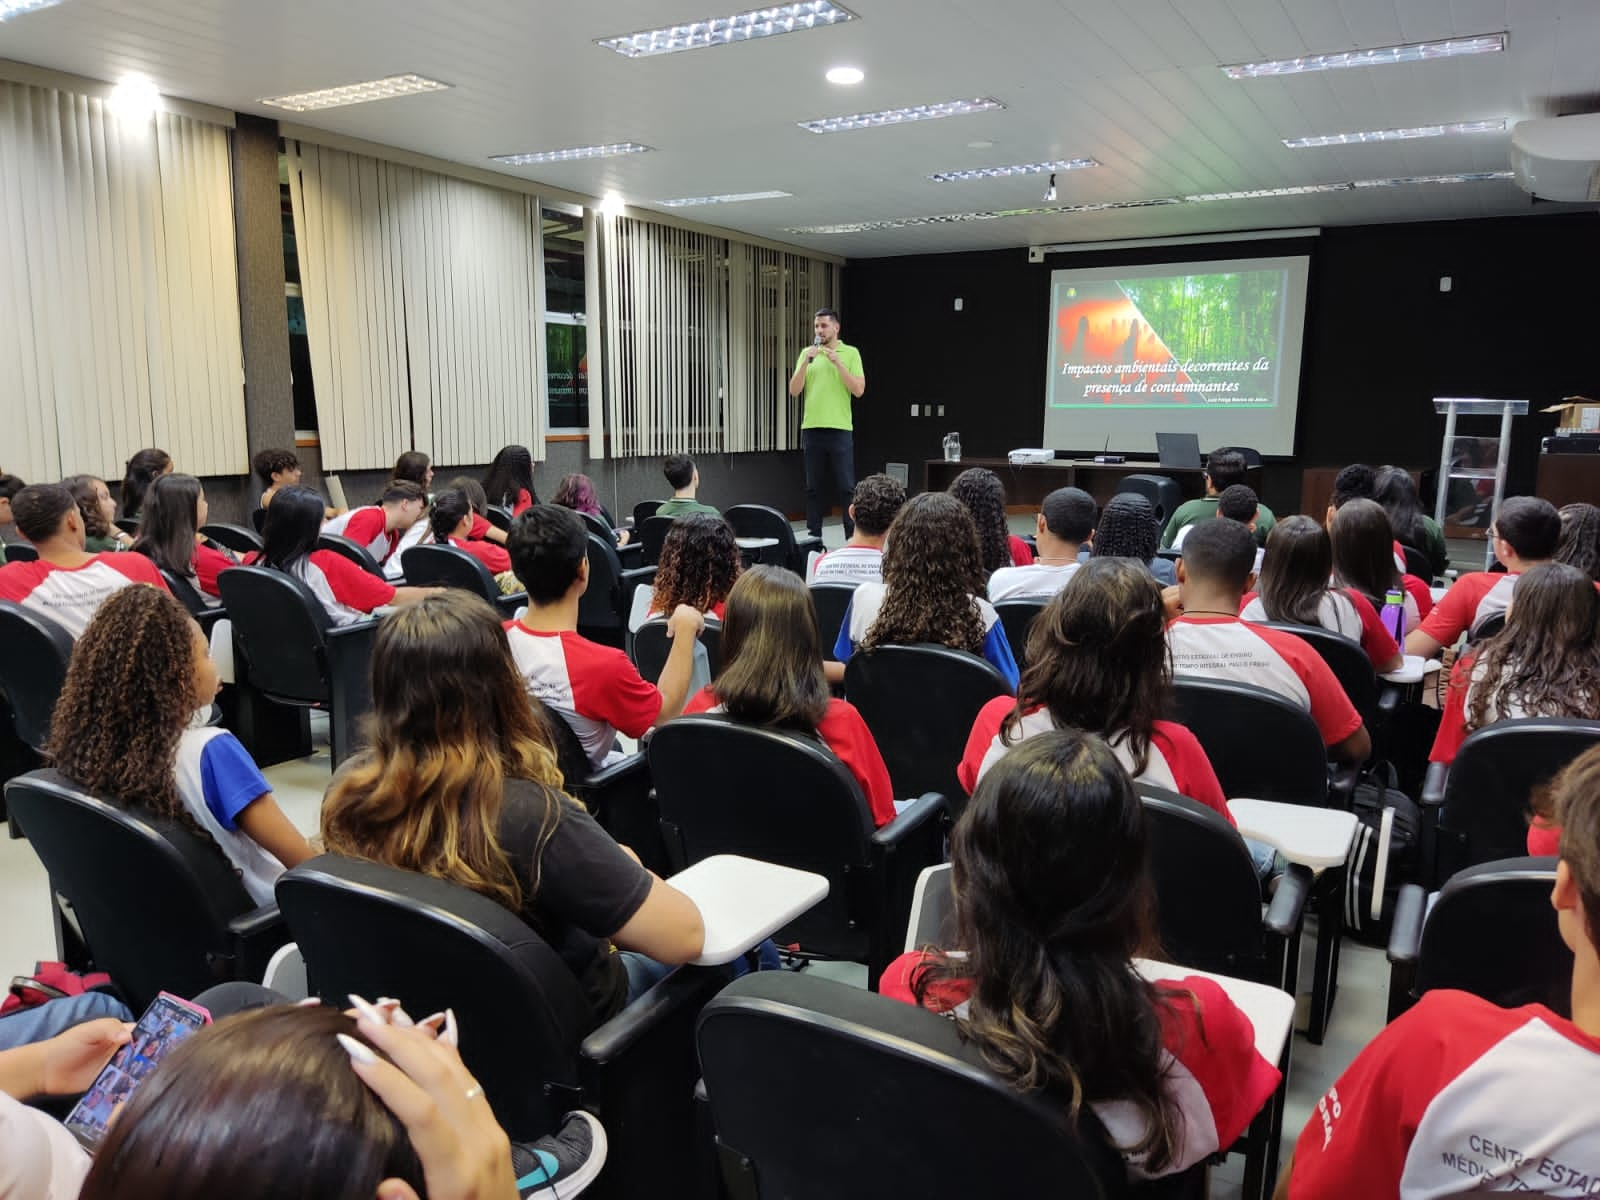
x,y
165,1023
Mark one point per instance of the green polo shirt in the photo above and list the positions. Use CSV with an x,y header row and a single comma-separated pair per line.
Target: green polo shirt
x,y
1204,509
827,398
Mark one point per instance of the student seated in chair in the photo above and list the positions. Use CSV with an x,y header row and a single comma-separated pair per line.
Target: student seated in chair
x,y
482,530
594,688
684,477
10,485
169,535
124,730
1461,1096
470,791
700,561
277,469
1050,879
877,500
451,519
67,583
396,522
1236,503
1209,640
1224,468
1064,525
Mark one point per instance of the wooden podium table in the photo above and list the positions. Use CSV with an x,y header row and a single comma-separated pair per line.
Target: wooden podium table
x,y
1027,486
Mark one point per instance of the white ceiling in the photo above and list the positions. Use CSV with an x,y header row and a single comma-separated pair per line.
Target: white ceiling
x,y
1133,84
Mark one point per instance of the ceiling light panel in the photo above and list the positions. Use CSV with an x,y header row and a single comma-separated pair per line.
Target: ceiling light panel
x,y
15,8
901,116
1304,189
1378,56
1396,135
989,215
357,93
1458,177
1038,168
570,154
720,31
725,198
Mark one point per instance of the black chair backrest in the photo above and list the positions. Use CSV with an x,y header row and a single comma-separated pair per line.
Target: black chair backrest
x,y
33,668
499,516
1261,745
727,788
1492,932
1162,491
1017,616
1345,658
433,565
1417,563
832,601
1488,629
600,609
21,552
182,586
644,510
258,519
127,524
653,532
379,931
356,554
651,645
599,527
1208,899
859,1070
234,537
280,626
920,702
151,898
1252,457
763,521
1492,781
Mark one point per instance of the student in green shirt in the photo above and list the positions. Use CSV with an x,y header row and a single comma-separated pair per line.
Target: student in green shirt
x,y
829,373
99,510
684,477
1224,468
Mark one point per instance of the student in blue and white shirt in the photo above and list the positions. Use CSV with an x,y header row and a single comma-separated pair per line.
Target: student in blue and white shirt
x,y
932,589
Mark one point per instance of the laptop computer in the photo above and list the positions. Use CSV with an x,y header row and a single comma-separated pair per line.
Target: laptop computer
x,y
1179,450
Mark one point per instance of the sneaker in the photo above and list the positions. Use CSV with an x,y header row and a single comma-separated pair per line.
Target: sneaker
x,y
564,1163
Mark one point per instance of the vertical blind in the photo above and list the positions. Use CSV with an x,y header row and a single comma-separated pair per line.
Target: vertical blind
x,y
420,293
119,297
701,334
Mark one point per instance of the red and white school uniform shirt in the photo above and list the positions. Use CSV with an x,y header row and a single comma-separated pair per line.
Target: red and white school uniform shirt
x,y
849,564
1459,1096
1344,611
524,500
347,591
367,528
1471,600
594,688
1214,1076
1228,648
494,557
1176,761
208,563
844,731
70,596
1021,552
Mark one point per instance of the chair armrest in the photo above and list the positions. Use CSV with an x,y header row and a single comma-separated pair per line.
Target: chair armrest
x,y
924,808
1389,700
256,936
1405,935
1342,780
345,633
631,556
1288,905
687,986
618,772
508,605
1433,784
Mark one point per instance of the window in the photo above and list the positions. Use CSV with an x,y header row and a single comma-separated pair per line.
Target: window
x,y
305,396
565,307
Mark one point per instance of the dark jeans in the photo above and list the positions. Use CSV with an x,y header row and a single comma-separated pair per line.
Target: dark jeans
x,y
830,460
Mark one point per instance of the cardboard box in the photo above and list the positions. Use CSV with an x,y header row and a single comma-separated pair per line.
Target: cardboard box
x,y
1578,413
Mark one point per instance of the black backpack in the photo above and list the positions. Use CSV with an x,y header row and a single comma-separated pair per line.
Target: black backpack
x,y
1383,855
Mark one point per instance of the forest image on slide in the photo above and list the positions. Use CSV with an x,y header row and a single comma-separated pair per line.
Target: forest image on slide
x,y
1180,340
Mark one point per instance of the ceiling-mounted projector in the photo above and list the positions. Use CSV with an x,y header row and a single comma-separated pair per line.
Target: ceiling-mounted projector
x,y
1558,158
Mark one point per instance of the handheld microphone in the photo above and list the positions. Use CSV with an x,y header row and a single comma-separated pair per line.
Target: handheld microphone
x,y
816,343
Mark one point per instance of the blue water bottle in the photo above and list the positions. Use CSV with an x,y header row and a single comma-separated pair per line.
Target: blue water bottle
x,y
1394,614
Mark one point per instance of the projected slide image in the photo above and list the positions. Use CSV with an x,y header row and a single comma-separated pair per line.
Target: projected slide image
x,y
1174,341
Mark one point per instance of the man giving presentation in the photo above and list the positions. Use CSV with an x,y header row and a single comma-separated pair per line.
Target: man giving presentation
x,y
829,373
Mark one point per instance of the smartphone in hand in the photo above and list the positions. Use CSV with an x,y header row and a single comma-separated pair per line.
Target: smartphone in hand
x,y
165,1023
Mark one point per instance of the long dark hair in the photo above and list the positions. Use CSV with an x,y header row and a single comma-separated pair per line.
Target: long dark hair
x,y
1546,661
293,524
1295,571
143,467
932,569
984,496
1363,550
1097,656
168,524
1052,901
699,563
450,724
1128,529
509,473
1580,538
412,467
314,1129
1398,496
772,652
449,507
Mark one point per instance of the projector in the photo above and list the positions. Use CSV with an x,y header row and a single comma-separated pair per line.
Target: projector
x,y
1024,458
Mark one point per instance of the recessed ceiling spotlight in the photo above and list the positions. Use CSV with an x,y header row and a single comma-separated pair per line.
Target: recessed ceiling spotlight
x,y
570,154
900,116
725,198
719,31
611,204
1036,168
134,99
357,93
1396,135
845,76
980,145
1378,56
15,8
